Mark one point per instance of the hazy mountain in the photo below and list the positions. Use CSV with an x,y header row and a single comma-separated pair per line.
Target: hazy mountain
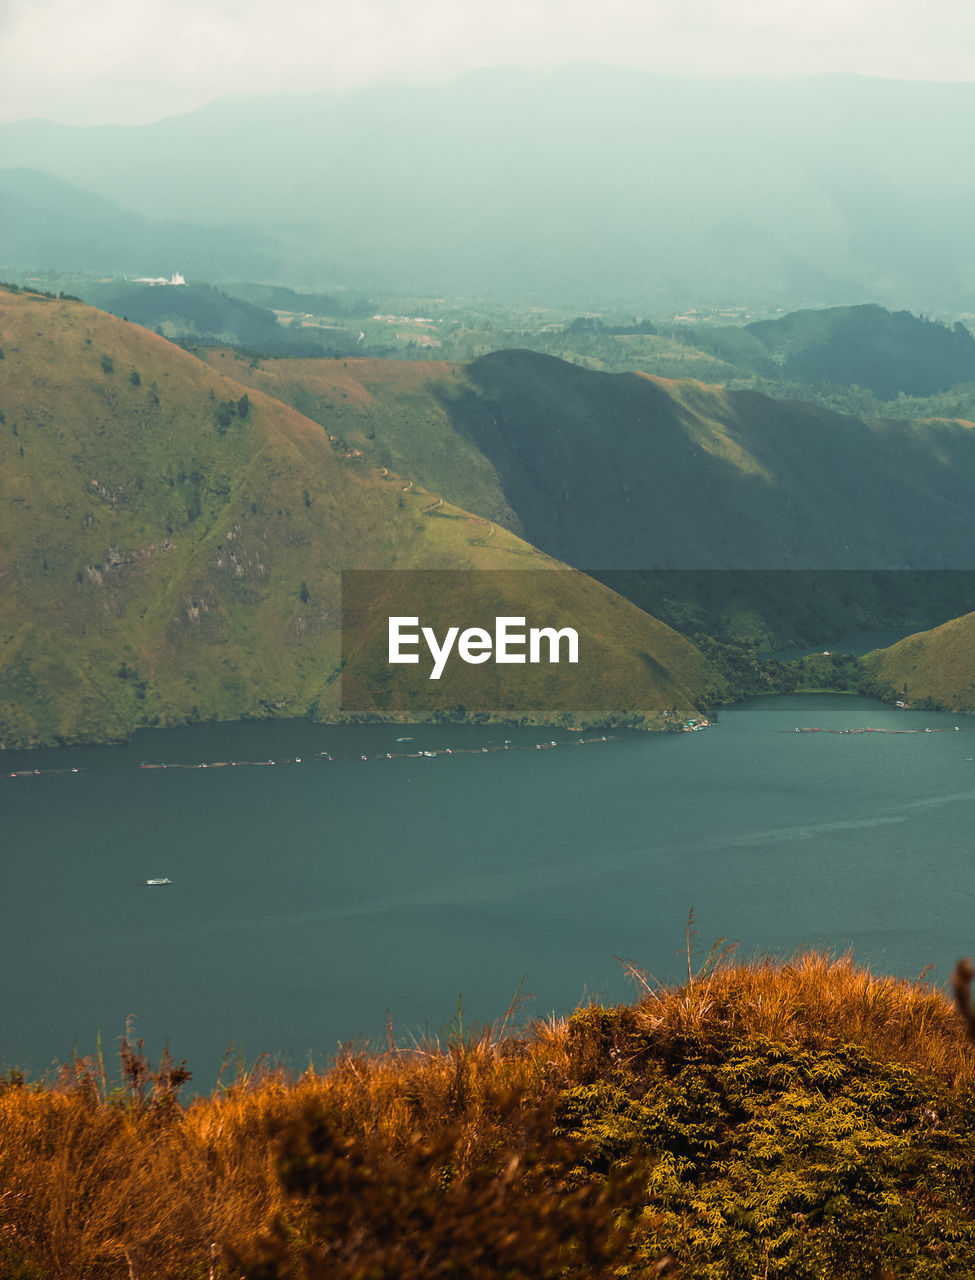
x,y
48,223
171,547
581,183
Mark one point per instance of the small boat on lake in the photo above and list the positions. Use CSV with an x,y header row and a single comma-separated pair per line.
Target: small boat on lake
x,y
164,880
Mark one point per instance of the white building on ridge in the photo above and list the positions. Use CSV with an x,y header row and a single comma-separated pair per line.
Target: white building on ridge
x,y
177,278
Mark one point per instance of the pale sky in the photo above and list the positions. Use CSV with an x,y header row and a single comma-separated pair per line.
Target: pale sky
x,y
130,61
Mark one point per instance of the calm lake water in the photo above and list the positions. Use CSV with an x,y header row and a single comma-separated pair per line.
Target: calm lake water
x,y
308,899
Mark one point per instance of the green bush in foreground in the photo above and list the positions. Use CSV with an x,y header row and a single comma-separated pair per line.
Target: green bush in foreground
x,y
770,1160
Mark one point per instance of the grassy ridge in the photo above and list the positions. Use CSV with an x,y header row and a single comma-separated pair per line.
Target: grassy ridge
x,y
393,412
931,669
797,1119
171,542
626,471
632,478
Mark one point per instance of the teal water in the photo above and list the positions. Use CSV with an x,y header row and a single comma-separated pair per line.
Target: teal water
x,y
308,899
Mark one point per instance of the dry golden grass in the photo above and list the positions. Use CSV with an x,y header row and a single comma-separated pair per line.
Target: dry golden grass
x,y
100,1181
817,1001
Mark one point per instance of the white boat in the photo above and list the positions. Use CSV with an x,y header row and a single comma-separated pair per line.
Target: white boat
x,y
164,880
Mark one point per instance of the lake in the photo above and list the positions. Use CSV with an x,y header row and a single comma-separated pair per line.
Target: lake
x,y
309,898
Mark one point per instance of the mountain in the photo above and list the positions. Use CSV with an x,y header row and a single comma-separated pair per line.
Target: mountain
x,y
627,471
888,353
869,347
933,668
279,298
200,312
197,311
171,549
577,184
48,223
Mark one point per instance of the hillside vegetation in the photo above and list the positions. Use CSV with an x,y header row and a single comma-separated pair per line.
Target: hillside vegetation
x,y
630,471
171,545
931,669
792,1120
201,312
880,357
192,309
888,352
863,360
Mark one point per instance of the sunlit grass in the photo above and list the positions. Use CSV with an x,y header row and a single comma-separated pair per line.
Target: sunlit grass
x,y
104,1178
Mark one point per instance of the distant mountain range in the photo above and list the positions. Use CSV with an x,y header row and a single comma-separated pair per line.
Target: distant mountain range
x,y
579,184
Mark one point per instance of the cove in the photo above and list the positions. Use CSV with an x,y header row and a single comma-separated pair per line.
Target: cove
x,y
309,898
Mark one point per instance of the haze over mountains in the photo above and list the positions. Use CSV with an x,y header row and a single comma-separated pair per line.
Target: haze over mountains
x,y
581,184
47,222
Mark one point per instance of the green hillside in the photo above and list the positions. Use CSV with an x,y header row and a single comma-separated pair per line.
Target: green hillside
x,y
887,352
392,411
171,544
626,471
931,669
191,310
200,312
